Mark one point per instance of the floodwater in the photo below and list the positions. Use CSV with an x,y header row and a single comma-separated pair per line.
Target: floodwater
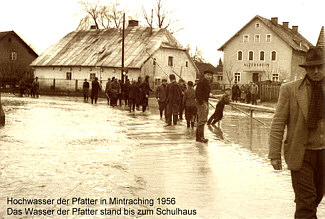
x,y
60,147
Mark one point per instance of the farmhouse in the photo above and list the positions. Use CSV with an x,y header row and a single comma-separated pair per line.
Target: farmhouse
x,y
264,50
98,53
15,57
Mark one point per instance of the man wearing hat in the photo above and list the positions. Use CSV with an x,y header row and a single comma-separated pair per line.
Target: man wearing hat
x,y
301,110
202,93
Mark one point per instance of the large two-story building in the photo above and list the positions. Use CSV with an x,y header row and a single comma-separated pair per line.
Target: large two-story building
x,y
264,50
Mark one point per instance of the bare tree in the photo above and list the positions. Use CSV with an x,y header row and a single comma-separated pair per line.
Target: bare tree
x,y
102,16
196,55
163,17
227,70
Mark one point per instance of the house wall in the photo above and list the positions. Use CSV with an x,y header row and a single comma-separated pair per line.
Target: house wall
x,y
297,59
156,72
265,68
15,68
163,70
47,74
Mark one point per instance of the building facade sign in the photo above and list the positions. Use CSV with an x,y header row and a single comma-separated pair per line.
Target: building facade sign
x,y
251,64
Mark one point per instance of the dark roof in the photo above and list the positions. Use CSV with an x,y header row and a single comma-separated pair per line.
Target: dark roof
x,y
104,47
202,66
5,33
294,39
321,39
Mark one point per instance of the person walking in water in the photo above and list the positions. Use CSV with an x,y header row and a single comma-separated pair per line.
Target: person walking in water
x,y
189,103
173,101
161,95
145,89
85,88
95,88
202,93
300,110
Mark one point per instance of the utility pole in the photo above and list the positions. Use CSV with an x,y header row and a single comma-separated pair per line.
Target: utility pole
x,y
122,70
2,114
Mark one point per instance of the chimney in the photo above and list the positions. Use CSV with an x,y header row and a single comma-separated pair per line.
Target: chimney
x,y
285,24
295,29
274,20
133,23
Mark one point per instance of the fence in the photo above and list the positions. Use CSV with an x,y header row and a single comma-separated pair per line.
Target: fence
x,y
269,92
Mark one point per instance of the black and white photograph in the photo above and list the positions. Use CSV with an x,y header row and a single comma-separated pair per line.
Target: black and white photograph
x,y
162,109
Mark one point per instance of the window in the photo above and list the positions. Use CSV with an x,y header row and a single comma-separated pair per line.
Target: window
x,y
9,39
186,64
250,55
256,38
219,77
262,55
268,38
92,76
245,38
257,25
154,61
170,60
237,76
273,56
69,75
13,56
240,55
275,77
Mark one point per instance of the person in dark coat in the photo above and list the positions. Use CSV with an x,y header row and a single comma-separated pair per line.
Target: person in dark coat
x,y
235,92
182,86
85,88
95,88
173,100
120,93
218,113
126,91
133,92
189,104
145,89
115,89
107,91
202,93
161,95
138,100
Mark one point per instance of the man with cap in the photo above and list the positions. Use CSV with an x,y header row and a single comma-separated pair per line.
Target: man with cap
x,y
202,93
301,110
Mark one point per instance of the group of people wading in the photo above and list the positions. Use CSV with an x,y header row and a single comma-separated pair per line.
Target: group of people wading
x,y
134,94
173,99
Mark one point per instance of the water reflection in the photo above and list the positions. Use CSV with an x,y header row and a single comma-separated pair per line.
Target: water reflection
x,y
98,151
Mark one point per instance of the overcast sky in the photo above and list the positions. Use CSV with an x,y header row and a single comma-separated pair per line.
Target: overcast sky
x,y
207,23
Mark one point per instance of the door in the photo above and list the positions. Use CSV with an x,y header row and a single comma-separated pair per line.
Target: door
x,y
255,77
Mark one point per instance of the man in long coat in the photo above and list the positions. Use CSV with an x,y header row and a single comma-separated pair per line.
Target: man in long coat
x,y
301,109
95,88
173,100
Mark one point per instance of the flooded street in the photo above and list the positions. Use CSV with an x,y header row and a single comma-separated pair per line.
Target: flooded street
x,y
60,147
